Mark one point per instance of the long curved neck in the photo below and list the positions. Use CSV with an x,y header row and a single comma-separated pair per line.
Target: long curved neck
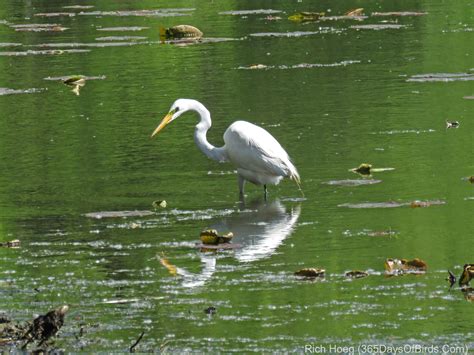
x,y
200,133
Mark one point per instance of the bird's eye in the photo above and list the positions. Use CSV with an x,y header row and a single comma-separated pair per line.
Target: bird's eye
x,y
176,109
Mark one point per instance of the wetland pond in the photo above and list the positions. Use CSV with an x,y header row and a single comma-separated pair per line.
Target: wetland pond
x,y
80,173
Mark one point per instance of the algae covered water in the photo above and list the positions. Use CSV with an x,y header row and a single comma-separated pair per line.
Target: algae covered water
x,y
80,175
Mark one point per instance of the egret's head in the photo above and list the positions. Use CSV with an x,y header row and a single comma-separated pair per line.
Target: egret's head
x,y
179,107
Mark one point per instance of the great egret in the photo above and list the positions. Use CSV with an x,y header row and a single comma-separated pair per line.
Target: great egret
x,y
258,157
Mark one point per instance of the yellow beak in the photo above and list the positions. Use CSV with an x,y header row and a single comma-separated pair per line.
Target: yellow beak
x,y
164,122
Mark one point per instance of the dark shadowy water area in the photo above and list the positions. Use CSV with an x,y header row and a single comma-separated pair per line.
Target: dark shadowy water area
x,y
80,174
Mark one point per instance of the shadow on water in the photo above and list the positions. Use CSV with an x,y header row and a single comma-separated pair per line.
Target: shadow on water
x,y
259,230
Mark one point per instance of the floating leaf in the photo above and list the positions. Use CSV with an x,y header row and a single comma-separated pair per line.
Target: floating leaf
x,y
311,272
452,124
355,12
306,16
173,270
356,274
211,237
396,266
159,204
363,169
181,31
467,275
11,244
74,80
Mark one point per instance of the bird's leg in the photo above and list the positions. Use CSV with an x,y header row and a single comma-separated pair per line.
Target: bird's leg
x,y
241,187
265,192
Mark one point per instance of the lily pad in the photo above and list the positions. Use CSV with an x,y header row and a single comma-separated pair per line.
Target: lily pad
x,y
378,27
181,31
399,13
348,182
250,12
311,272
441,77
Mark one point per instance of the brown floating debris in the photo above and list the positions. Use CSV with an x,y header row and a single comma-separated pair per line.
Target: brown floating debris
x,y
356,274
211,237
181,31
173,270
11,244
306,16
403,266
471,179
467,275
311,272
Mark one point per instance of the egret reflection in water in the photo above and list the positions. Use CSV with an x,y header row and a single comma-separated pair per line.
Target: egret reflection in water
x,y
259,230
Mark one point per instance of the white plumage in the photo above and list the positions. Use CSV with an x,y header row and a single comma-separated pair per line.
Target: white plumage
x,y
256,154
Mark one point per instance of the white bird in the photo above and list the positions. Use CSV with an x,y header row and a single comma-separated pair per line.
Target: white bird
x,y
256,154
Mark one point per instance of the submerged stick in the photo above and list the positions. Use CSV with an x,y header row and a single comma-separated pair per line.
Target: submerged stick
x,y
132,348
